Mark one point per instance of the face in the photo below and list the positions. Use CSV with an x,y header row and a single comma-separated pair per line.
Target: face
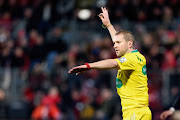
x,y
120,45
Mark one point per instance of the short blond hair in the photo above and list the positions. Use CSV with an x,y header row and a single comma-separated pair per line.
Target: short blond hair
x,y
127,35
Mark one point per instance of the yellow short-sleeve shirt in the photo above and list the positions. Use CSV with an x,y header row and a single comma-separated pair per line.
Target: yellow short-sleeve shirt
x,y
131,81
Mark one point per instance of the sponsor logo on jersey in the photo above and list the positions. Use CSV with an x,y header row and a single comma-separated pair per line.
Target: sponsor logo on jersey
x,y
118,83
123,59
144,70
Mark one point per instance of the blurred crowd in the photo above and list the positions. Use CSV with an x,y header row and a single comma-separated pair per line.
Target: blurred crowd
x,y
36,37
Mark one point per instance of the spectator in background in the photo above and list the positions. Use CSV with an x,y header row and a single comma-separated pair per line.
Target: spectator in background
x,y
23,25
18,58
6,21
37,52
5,57
37,77
37,48
48,108
171,111
3,105
65,8
108,105
14,9
45,15
54,40
168,17
2,7
77,98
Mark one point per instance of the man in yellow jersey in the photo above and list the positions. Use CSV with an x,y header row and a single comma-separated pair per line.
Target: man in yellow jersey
x,y
131,81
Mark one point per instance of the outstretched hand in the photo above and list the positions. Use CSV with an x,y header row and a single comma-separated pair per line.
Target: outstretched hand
x,y
78,70
104,16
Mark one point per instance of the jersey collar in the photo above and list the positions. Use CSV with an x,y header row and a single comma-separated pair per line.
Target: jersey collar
x,y
134,51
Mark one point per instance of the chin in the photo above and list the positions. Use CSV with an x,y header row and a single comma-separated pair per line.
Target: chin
x,y
118,55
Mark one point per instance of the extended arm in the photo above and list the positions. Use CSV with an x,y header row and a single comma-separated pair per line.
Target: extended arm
x,y
103,64
104,16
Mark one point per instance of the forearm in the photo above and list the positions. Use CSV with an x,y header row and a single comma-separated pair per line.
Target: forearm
x,y
112,31
104,64
104,16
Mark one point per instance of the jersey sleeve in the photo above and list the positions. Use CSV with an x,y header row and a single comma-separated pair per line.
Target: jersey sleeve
x,y
176,103
126,63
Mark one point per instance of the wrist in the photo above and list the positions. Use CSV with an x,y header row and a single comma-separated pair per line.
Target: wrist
x,y
106,26
88,66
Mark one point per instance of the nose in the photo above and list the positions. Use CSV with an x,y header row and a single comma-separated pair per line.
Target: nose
x,y
115,45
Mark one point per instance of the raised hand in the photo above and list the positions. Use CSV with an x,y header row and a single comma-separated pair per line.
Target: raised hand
x,y
78,70
104,16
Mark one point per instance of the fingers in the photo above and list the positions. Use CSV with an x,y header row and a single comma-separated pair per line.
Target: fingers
x,y
101,16
74,70
77,70
79,73
70,71
105,10
104,13
102,9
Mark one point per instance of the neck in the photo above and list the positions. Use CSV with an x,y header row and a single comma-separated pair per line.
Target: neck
x,y
130,50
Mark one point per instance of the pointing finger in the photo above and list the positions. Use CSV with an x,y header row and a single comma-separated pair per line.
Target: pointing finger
x,y
70,71
102,8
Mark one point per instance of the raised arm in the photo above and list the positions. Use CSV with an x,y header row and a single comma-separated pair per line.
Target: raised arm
x,y
104,16
103,64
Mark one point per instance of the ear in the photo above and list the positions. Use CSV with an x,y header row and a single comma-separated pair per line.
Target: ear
x,y
130,43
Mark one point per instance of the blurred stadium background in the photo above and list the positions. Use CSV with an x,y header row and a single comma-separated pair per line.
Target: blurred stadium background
x,y
40,40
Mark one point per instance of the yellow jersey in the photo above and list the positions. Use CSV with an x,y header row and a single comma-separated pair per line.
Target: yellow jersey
x,y
131,81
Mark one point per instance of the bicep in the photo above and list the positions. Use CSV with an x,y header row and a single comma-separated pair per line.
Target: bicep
x,y
116,65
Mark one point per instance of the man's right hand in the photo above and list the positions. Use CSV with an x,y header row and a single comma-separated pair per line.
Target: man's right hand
x,y
104,16
78,70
